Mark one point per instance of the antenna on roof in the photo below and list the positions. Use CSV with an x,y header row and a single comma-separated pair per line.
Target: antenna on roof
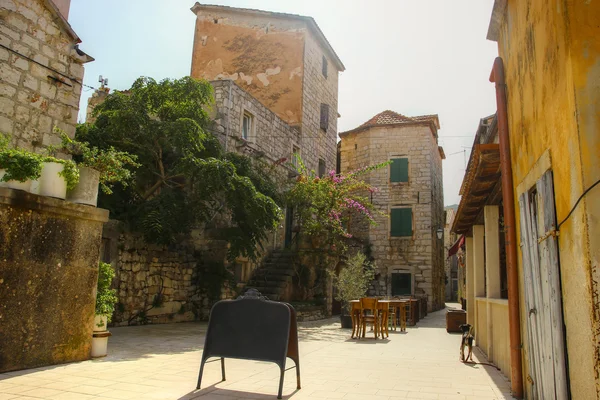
x,y
103,81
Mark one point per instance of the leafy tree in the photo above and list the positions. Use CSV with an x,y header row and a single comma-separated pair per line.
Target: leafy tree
x,y
184,179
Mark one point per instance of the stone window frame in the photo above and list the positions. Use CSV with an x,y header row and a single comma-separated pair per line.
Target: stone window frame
x,y
413,227
324,66
391,156
251,133
293,159
322,173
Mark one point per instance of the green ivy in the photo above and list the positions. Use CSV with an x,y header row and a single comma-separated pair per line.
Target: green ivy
x,y
20,165
106,298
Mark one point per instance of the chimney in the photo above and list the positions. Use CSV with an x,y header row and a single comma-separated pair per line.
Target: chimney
x,y
63,6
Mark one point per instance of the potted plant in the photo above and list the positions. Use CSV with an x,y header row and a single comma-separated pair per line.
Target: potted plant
x,y
352,283
57,176
96,167
17,167
106,299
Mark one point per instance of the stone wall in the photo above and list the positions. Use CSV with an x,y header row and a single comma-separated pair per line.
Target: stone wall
x,y
41,74
317,89
164,284
310,313
269,135
421,254
48,276
438,281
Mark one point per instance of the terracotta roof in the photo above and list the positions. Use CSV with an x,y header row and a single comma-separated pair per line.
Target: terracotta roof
x,y
309,20
389,117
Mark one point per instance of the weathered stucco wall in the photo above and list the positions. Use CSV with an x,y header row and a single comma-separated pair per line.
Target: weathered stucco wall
x,y
262,54
34,99
551,57
49,252
420,254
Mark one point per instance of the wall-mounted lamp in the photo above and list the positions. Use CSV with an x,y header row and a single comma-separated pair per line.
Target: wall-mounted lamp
x,y
440,233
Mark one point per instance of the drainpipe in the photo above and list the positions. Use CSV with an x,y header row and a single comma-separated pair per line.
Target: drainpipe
x,y
516,375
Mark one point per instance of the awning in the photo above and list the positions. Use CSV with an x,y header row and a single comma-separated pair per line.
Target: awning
x,y
454,249
481,180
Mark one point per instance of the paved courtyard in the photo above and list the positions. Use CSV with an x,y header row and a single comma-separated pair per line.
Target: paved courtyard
x,y
162,361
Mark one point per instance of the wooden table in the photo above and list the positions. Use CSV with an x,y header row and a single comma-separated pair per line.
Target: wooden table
x,y
399,304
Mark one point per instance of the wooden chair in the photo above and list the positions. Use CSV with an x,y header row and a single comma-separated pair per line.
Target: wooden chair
x,y
355,312
392,315
368,314
404,306
382,318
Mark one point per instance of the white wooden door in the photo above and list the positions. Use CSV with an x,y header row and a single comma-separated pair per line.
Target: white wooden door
x,y
543,300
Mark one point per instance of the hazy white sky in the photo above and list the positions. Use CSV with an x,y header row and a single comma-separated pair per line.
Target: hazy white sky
x,y
411,56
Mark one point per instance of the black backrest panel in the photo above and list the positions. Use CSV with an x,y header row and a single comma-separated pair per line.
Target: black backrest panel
x,y
249,329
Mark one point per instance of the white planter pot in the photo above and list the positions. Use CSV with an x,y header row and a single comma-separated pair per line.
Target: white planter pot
x,y
100,323
51,184
86,191
26,186
100,344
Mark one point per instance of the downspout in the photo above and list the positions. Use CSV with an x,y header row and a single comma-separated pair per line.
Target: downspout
x,y
516,375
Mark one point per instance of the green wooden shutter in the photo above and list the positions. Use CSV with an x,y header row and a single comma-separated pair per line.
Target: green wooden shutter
x,y
401,222
399,170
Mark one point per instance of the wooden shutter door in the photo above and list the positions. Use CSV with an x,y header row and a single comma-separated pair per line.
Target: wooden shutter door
x,y
552,295
539,247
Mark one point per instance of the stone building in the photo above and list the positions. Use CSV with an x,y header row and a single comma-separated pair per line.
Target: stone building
x,y
285,62
450,261
404,243
41,71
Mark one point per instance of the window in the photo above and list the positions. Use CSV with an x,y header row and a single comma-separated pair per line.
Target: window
x,y
324,116
247,122
321,167
295,154
399,170
401,222
324,68
401,284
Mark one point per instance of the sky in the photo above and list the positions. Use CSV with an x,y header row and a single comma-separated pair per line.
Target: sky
x,y
413,57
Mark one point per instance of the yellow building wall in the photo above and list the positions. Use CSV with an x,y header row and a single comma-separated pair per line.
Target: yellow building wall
x,y
551,57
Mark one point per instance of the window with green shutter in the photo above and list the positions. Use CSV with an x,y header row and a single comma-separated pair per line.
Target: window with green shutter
x,y
401,222
399,170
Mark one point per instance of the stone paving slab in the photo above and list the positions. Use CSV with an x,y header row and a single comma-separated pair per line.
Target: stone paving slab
x,y
162,362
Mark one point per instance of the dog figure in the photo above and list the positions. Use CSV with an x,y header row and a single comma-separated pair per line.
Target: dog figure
x,y
467,340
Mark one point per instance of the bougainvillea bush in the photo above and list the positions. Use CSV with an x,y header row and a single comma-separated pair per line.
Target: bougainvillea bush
x,y
325,205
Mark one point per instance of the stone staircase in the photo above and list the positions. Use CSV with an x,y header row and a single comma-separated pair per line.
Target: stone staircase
x,y
274,277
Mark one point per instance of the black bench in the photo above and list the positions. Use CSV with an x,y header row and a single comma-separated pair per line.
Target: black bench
x,y
252,328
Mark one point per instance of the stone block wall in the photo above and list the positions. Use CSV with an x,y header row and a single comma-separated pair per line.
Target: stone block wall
x,y
154,283
40,74
270,134
48,277
421,254
317,89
